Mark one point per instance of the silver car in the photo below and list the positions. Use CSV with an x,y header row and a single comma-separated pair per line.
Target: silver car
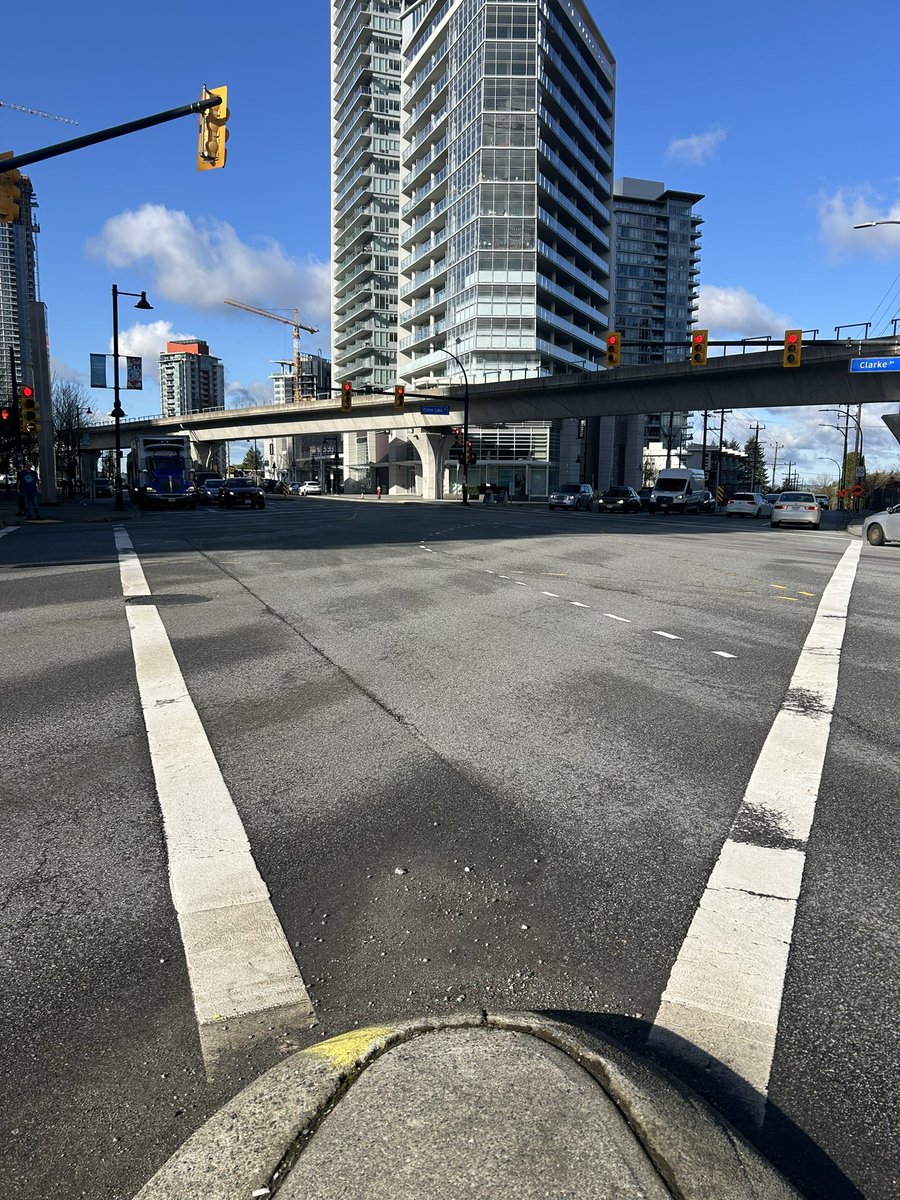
x,y
882,527
796,508
572,495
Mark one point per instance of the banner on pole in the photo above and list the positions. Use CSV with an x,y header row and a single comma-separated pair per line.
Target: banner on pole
x,y
98,370
133,373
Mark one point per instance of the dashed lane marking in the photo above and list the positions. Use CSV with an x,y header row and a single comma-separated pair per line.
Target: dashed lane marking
x,y
11,529
722,1003
578,604
674,636
238,958
724,654
613,617
552,595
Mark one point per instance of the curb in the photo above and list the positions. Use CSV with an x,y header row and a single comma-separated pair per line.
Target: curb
x,y
250,1146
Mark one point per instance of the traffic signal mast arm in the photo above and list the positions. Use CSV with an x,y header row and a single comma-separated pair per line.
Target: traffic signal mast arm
x,y
106,135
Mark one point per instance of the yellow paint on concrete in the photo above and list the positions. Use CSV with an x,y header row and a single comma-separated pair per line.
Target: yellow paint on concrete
x,y
554,574
783,586
807,593
788,598
345,1049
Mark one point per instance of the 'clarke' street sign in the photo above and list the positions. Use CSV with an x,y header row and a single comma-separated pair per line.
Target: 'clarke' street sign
x,y
874,364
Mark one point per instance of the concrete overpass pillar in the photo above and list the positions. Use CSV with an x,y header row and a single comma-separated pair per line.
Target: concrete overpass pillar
x,y
431,446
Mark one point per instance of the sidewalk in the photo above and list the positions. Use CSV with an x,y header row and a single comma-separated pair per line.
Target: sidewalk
x,y
509,1106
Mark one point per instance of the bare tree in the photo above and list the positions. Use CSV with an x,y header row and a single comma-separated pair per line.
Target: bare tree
x,y
71,416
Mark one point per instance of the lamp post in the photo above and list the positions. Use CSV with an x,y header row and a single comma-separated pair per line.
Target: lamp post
x,y
117,413
828,458
450,354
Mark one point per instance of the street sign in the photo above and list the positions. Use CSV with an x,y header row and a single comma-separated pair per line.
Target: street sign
x,y
857,490
874,364
434,410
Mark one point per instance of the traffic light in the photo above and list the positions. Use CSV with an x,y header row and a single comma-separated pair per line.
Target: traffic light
x,y
470,454
699,347
346,396
7,416
9,192
793,347
457,437
29,411
213,133
399,395
613,349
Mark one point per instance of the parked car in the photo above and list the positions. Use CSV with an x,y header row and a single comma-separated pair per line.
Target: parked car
x,y
241,491
311,487
748,504
209,490
103,487
707,502
572,495
645,494
796,508
823,501
772,497
619,499
882,527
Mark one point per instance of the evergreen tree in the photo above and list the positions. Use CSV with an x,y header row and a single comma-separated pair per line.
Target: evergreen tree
x,y
253,460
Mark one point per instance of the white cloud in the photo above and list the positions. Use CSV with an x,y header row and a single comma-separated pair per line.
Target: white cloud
x,y
200,262
148,339
697,148
737,313
847,207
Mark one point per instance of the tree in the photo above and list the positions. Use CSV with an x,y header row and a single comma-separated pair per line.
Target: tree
x,y
253,460
756,465
71,415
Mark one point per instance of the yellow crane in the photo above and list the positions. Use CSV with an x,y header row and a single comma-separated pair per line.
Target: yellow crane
x,y
295,325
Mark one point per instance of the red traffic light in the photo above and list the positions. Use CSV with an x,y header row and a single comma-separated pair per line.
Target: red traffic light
x,y
698,339
792,339
26,392
346,386
612,339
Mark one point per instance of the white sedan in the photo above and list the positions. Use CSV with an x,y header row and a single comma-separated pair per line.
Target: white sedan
x,y
882,527
796,508
748,504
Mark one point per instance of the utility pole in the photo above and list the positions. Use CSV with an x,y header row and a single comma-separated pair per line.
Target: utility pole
x,y
703,452
719,456
755,470
775,464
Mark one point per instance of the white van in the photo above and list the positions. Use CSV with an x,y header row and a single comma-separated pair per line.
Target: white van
x,y
678,488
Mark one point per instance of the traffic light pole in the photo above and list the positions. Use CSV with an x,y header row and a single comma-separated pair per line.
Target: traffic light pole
x,y
106,135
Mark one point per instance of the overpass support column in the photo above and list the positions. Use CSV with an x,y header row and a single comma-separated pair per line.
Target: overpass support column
x,y
431,445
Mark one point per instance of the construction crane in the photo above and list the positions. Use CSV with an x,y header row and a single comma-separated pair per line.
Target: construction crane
x,y
36,112
295,325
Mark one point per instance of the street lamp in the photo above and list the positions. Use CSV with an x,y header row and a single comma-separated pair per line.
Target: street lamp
x,y
465,454
117,413
871,224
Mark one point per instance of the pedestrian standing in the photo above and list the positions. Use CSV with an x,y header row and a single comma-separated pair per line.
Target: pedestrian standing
x,y
27,488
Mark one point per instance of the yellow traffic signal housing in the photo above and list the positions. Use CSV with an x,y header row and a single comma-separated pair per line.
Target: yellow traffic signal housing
x,y
211,150
399,395
699,347
613,349
29,411
346,396
10,191
793,347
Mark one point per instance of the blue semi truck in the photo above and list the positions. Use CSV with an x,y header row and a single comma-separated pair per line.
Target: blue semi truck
x,y
159,472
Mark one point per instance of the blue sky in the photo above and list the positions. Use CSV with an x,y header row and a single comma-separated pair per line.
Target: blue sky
x,y
784,117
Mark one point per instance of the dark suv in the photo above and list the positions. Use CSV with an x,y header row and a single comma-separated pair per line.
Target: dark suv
x,y
241,491
619,499
572,495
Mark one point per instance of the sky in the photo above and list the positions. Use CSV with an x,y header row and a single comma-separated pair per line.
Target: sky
x,y
783,116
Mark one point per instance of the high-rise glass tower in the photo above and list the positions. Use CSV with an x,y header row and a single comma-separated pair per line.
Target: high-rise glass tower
x,y
657,266
365,109
505,189
18,287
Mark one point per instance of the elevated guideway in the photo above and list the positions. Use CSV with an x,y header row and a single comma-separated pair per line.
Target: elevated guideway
x,y
751,380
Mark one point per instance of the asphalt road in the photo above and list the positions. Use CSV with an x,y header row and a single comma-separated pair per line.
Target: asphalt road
x,y
483,758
